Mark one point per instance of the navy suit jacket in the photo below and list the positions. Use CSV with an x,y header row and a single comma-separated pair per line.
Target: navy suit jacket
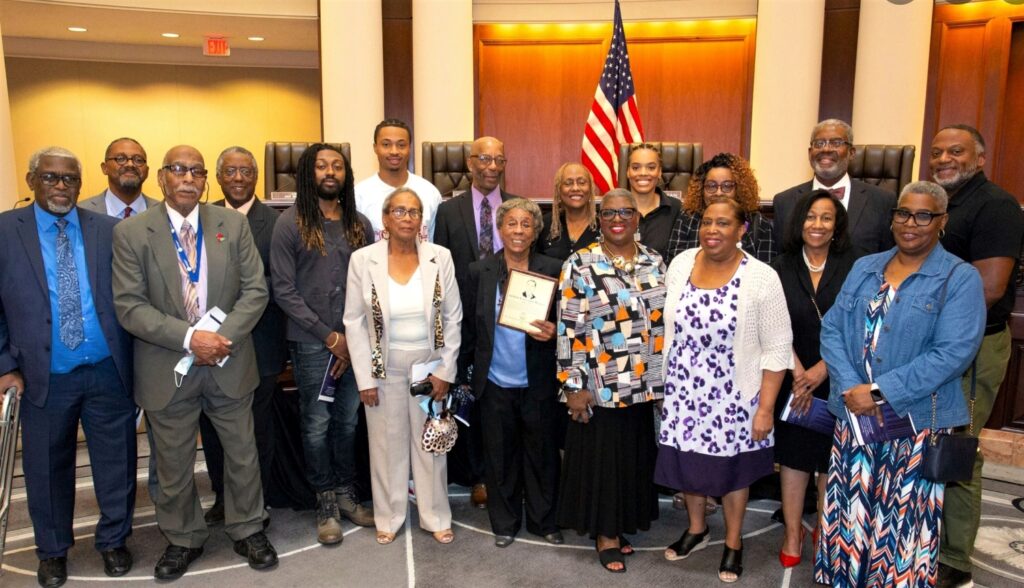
x,y
25,319
869,212
455,230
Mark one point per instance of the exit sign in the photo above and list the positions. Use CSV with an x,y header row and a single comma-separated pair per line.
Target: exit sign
x,y
216,47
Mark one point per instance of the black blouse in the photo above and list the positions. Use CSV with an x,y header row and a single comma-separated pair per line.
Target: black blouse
x,y
562,247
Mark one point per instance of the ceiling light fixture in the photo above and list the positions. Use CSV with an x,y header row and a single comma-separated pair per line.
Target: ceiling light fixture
x,y
256,39
170,35
77,29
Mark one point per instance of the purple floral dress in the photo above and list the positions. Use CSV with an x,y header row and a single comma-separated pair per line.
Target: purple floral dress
x,y
705,438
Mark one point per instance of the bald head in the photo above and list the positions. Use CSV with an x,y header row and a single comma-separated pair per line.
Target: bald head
x,y
486,163
182,178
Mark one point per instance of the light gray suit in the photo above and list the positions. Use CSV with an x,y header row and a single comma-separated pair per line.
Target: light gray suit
x,y
98,203
150,306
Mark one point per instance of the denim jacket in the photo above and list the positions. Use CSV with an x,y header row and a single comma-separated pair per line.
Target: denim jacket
x,y
924,345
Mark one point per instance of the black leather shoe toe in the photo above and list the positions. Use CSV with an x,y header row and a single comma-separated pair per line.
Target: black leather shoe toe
x,y
555,538
258,550
175,561
53,572
117,561
503,540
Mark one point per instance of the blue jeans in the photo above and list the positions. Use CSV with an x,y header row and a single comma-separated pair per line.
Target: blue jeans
x,y
328,428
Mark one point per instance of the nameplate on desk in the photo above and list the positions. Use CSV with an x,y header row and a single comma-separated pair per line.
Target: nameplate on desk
x,y
677,194
282,196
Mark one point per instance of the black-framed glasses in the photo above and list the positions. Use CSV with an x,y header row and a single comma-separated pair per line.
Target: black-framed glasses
x,y
229,172
921,219
488,160
180,170
51,179
122,159
833,143
400,213
726,187
623,213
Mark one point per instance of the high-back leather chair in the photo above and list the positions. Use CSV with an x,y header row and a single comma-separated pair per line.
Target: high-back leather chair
x,y
281,161
678,162
444,165
886,166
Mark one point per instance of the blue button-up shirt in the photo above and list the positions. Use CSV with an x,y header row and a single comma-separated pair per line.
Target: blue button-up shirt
x,y
508,361
94,347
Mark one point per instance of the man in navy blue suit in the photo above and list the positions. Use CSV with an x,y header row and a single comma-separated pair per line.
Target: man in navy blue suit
x,y
63,349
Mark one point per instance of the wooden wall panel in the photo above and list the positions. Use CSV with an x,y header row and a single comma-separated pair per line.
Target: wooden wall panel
x,y
961,90
535,85
1009,171
839,59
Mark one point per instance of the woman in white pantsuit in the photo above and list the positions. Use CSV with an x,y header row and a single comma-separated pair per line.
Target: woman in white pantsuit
x,y
402,307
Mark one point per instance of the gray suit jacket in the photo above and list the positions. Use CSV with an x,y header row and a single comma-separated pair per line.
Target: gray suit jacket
x,y
98,203
149,304
870,212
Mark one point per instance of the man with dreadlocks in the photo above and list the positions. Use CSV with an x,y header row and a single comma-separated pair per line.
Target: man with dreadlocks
x,y
309,255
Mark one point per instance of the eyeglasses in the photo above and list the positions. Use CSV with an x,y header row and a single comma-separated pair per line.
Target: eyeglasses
x,y
921,219
51,179
623,213
726,187
180,170
122,159
488,160
229,172
833,143
400,213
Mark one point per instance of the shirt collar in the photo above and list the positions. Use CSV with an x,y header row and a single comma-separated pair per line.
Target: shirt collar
x,y
177,219
116,206
243,209
491,196
47,220
844,182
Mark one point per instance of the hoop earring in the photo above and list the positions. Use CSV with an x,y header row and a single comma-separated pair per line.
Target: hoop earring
x,y
942,233
384,234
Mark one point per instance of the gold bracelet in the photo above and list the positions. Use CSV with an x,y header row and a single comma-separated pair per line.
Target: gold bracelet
x,y
337,338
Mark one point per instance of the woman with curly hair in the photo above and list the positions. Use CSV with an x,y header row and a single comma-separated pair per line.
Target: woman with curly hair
x,y
726,175
572,223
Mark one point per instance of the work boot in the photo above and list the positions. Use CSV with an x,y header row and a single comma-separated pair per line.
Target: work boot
x,y
328,523
351,509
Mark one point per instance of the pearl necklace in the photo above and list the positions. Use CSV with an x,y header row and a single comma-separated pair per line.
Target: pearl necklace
x,y
816,269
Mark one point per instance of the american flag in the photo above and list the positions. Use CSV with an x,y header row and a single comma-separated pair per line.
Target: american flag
x,y
614,117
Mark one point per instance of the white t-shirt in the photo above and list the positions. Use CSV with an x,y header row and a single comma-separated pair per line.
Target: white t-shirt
x,y
371,192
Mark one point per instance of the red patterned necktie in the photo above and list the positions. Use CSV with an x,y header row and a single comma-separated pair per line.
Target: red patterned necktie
x,y
838,192
127,211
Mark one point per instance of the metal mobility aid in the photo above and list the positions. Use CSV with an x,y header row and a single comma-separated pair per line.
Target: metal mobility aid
x,y
8,446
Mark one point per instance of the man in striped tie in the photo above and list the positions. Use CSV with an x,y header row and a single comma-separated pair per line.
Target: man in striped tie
x,y
125,165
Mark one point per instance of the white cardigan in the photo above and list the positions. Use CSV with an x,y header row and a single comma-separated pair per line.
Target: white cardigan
x,y
763,339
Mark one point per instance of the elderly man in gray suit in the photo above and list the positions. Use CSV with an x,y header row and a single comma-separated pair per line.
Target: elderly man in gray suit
x,y
175,264
126,168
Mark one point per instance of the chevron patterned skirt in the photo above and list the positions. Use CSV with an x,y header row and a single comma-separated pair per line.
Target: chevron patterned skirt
x,y
880,525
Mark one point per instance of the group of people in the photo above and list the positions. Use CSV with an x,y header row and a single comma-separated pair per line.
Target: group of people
x,y
679,332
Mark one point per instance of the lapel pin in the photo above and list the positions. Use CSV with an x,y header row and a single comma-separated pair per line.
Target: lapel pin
x,y
220,237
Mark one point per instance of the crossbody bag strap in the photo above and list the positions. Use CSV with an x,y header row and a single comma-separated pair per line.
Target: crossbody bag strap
x,y
942,303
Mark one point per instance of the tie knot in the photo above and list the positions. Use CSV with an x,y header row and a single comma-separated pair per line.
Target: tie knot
x,y
186,227
62,223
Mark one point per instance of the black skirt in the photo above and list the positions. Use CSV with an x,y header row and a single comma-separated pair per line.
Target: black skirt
x,y
607,485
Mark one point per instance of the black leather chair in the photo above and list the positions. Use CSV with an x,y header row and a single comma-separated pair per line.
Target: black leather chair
x,y
886,166
280,162
444,165
678,162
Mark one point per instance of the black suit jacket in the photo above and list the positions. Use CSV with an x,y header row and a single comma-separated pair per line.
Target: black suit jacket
x,y
269,336
455,230
479,319
870,212
25,319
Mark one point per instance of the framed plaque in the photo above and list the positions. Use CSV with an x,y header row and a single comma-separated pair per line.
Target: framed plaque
x,y
528,297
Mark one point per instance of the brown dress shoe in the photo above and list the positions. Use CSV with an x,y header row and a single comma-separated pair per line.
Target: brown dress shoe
x,y
479,496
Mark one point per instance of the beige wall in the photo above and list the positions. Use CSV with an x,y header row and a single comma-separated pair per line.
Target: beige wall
x,y
83,105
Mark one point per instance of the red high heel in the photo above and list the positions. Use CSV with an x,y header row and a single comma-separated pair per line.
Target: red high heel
x,y
791,561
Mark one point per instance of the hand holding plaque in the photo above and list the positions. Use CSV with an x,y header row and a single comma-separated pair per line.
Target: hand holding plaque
x,y
528,297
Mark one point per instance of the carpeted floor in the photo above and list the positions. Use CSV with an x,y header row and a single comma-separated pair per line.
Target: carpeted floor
x,y
415,559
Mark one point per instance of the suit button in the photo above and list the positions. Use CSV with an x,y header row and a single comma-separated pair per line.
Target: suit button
x,y
49,322
47,347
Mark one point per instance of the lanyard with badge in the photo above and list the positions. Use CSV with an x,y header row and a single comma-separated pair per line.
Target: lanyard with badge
x,y
185,363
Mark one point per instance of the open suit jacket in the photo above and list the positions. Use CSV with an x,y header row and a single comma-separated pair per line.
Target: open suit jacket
x,y
98,203
149,303
869,211
455,228
25,319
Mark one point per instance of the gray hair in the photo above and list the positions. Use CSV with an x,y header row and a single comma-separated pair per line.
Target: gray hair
x,y
937,192
623,193
403,190
241,151
521,204
51,151
834,122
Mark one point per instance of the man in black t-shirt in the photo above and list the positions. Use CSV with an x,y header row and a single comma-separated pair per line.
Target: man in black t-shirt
x,y
985,228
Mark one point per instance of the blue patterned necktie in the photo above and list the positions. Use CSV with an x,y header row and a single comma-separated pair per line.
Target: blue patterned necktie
x,y
69,297
486,240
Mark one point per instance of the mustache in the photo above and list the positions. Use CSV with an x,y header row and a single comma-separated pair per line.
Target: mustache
x,y
188,190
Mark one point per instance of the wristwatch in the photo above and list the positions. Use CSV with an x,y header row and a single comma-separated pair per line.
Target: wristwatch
x,y
876,394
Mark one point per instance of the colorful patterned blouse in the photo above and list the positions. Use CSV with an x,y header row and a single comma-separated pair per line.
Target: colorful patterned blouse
x,y
610,327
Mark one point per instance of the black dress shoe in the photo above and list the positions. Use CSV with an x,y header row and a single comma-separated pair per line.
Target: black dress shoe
x,y
117,561
175,561
215,516
555,538
504,540
52,572
258,550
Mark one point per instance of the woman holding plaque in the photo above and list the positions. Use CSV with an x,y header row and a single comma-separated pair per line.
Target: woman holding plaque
x,y
903,330
609,357
572,223
518,408
402,304
816,258
729,344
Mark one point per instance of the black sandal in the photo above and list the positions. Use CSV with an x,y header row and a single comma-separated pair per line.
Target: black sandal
x,y
732,563
625,546
688,543
610,556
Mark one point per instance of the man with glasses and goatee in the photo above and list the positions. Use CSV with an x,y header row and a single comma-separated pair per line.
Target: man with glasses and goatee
x,y
126,168
174,265
61,346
